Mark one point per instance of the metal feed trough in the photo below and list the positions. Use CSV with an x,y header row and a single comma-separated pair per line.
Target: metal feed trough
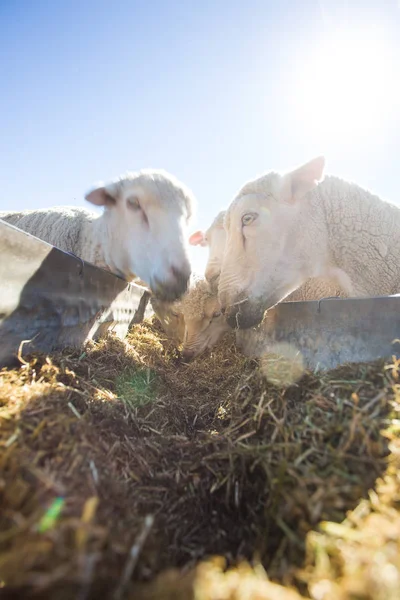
x,y
329,332
50,299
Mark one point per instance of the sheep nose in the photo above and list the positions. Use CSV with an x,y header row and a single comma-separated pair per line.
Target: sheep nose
x,y
180,277
187,355
178,273
175,286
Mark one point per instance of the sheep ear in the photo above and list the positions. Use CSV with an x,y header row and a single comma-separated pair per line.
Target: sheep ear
x,y
197,239
101,196
302,180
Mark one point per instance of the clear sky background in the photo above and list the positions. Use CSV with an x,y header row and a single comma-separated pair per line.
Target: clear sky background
x,y
216,92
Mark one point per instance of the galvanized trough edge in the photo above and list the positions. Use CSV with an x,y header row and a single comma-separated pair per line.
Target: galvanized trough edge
x,y
328,332
50,299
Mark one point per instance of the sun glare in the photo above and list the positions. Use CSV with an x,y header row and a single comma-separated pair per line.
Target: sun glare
x,y
350,87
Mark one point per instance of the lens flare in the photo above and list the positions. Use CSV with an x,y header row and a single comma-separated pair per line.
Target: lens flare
x,y
282,365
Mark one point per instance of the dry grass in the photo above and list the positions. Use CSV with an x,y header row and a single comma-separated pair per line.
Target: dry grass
x,y
226,464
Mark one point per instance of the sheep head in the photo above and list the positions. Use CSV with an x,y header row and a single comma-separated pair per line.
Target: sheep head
x,y
145,229
267,246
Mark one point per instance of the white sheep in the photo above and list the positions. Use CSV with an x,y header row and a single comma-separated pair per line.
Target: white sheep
x,y
284,229
195,319
204,323
141,233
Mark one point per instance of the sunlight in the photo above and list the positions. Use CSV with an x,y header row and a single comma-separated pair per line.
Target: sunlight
x,y
198,258
350,88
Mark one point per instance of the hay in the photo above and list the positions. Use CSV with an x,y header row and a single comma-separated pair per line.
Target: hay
x,y
217,459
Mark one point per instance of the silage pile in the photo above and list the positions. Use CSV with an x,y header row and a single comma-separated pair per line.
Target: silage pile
x,y
122,471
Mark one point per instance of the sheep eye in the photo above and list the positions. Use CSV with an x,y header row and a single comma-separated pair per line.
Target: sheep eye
x,y
216,314
248,218
133,203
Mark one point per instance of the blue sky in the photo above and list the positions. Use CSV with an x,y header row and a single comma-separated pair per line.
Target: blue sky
x,y
212,91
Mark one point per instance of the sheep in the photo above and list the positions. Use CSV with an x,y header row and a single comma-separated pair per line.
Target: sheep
x,y
284,229
204,323
195,319
141,233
